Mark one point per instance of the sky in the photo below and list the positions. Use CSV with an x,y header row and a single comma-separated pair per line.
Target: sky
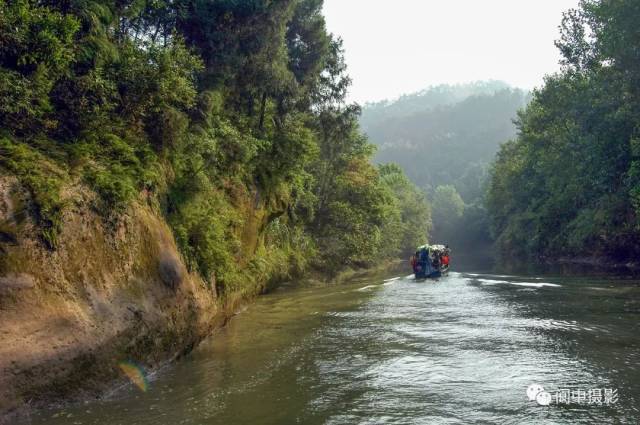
x,y
395,47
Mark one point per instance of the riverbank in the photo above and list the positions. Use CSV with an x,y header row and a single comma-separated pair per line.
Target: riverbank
x,y
88,364
109,293
602,263
594,265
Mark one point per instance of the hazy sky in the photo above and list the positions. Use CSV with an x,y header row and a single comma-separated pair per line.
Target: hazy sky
x,y
401,46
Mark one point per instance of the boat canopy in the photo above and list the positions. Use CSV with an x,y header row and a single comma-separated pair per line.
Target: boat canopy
x,y
434,248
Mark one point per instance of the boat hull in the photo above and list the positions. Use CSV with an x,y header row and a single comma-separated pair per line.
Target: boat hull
x,y
432,275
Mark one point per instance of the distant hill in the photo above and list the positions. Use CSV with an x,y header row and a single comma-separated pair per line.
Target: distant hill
x,y
447,134
441,95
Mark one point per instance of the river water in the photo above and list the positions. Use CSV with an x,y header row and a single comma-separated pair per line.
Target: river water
x,y
383,350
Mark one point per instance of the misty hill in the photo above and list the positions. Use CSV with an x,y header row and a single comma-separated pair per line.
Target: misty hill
x,y
444,138
446,134
408,104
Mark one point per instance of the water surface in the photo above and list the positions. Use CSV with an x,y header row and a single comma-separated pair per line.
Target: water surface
x,y
462,349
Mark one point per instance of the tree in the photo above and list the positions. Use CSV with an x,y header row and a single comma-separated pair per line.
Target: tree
x,y
448,208
568,184
412,226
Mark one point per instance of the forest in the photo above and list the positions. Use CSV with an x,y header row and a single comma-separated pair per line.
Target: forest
x,y
191,106
569,184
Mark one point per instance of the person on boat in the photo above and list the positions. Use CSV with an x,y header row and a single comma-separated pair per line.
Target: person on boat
x,y
419,262
414,262
436,261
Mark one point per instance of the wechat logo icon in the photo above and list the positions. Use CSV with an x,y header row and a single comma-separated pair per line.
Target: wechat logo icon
x,y
536,392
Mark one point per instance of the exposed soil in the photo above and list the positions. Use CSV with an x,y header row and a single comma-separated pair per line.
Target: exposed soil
x,y
108,293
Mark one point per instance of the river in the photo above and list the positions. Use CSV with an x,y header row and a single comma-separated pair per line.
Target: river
x,y
384,350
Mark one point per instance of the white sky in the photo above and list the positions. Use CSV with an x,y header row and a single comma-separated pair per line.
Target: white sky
x,y
395,47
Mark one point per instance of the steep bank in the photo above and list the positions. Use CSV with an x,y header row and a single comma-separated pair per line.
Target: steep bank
x,y
108,293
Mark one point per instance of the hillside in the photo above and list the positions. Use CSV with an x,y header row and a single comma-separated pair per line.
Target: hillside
x,y
424,100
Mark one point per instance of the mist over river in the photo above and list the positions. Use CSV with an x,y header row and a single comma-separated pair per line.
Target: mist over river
x,y
390,350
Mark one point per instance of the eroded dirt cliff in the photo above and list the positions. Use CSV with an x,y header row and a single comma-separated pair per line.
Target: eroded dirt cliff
x,y
110,292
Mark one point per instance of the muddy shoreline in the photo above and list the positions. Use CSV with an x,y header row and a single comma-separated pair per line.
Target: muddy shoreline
x,y
107,388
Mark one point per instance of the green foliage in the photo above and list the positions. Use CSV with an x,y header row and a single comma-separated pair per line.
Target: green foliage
x,y
356,217
204,228
413,223
356,211
459,224
361,215
43,180
289,247
34,36
122,171
212,111
448,209
36,49
154,84
447,204
568,184
282,160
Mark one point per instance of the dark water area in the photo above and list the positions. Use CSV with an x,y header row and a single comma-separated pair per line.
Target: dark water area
x,y
390,350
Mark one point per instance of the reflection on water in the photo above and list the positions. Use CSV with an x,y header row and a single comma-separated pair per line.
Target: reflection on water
x,y
459,350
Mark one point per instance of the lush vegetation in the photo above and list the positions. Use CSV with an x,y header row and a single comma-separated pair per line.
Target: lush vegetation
x,y
445,139
214,112
569,184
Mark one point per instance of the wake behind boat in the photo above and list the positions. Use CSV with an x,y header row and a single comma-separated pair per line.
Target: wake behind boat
x,y
431,261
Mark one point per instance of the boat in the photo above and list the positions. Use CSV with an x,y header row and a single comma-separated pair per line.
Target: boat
x,y
431,261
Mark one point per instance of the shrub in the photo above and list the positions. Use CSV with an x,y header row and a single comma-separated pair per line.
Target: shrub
x,y
42,179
